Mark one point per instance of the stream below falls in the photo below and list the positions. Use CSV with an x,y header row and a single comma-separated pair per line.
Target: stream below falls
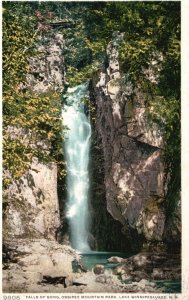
x,y
92,258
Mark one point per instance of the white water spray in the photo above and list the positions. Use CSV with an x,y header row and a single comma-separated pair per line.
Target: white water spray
x,y
77,146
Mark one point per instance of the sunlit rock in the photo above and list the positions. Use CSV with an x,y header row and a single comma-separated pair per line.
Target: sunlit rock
x,y
134,172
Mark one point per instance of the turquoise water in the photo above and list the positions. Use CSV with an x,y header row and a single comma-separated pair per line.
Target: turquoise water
x,y
90,259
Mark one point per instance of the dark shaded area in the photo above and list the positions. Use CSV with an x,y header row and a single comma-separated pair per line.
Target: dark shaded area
x,y
61,23
54,280
78,267
62,233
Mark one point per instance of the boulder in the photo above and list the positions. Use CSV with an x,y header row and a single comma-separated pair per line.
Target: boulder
x,y
115,259
158,274
98,269
139,275
108,279
127,278
141,260
101,279
142,283
121,269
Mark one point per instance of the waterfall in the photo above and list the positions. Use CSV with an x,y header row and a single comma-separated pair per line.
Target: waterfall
x,y
76,146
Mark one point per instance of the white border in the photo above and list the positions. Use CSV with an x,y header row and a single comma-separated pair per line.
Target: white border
x,y
185,186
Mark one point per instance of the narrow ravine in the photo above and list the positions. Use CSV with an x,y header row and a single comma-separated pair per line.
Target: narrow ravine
x,y
77,144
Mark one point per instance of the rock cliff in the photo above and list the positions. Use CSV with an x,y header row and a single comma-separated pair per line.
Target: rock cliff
x,y
132,149
31,202
46,71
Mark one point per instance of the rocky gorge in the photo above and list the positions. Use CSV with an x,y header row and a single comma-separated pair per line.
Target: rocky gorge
x,y
129,187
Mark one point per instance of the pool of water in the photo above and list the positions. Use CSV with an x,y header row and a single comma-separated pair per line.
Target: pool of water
x,y
90,259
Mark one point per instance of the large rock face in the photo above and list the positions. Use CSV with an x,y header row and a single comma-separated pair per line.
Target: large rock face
x,y
132,152
47,69
32,208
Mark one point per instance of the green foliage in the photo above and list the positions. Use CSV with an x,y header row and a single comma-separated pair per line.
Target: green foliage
x,y
82,55
151,31
166,113
18,43
36,118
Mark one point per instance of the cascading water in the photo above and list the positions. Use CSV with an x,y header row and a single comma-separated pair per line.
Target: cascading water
x,y
77,146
